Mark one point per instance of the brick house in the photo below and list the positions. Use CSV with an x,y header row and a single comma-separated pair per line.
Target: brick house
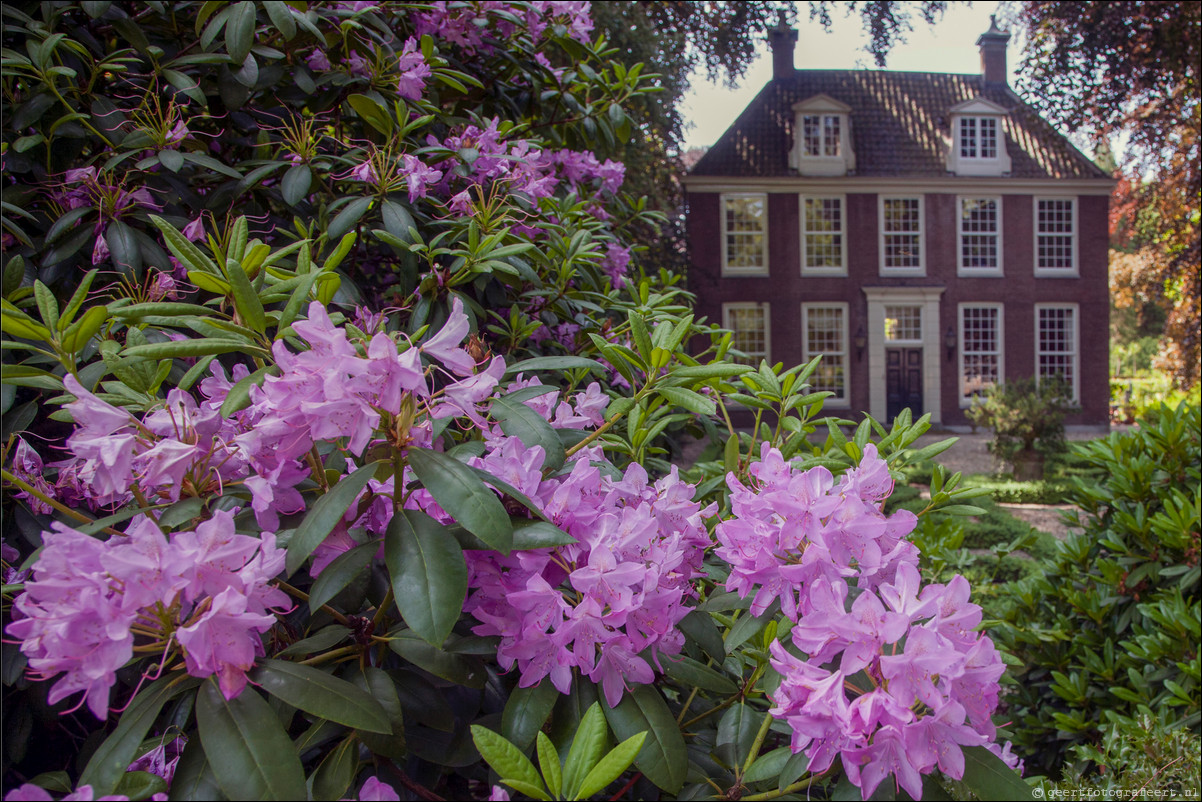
x,y
928,233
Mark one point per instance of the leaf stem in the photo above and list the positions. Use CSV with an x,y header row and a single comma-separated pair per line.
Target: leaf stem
x,y
800,785
756,744
300,594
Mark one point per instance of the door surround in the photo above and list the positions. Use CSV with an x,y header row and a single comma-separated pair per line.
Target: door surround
x,y
928,298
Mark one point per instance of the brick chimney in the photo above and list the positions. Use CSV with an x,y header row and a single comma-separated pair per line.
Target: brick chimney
x,y
993,52
782,39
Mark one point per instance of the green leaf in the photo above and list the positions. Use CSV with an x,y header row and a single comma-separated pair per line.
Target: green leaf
x,y
191,256
694,402
325,514
240,31
348,217
663,758
717,370
767,767
296,182
736,732
548,762
520,421
244,741
239,395
692,674
429,574
458,668
464,496
281,18
314,691
47,305
322,640
587,748
611,766
526,712
339,573
194,776
337,770
246,299
372,113
505,758
989,778
112,759
397,220
555,363
190,348
140,785
81,332
123,246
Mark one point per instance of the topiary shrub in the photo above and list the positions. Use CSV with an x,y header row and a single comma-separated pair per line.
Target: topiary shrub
x,y
1027,420
1111,627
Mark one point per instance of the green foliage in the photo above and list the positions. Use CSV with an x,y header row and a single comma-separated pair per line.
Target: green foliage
x,y
1136,754
1025,417
1110,628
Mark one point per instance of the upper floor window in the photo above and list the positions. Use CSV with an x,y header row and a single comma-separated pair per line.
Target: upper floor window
x,y
1055,237
901,235
745,234
820,134
822,241
977,143
978,137
980,236
749,322
822,137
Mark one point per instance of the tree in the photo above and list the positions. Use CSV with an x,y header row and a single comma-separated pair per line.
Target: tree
x,y
1132,69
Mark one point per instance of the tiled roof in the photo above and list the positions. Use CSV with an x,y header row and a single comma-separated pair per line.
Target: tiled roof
x,y
900,127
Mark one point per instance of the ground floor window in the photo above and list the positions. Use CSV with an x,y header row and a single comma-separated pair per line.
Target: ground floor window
x,y
980,349
749,322
824,331
1056,348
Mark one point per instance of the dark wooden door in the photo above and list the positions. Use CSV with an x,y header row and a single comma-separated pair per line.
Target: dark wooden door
x,y
903,381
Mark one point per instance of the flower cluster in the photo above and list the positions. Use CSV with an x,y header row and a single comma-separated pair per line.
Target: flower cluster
x,y
597,604
894,679
90,601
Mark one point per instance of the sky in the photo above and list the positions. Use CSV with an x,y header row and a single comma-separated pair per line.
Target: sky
x,y
947,46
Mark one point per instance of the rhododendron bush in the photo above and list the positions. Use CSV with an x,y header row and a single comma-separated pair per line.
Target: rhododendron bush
x,y
334,457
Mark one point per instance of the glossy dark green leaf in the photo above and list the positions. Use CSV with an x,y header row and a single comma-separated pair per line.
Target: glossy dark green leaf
x,y
240,31
339,573
555,363
239,395
429,575
189,348
337,770
252,756
736,732
140,785
123,247
372,113
281,18
458,668
692,674
990,778
379,685
194,780
324,515
325,638
325,696
520,421
694,402
296,183
171,159
112,759
246,299
348,217
461,493
663,758
191,256
397,220
526,712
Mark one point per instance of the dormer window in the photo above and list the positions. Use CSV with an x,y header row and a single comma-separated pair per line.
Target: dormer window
x,y
978,138
978,144
822,137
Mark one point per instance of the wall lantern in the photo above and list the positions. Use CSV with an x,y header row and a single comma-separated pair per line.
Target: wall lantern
x,y
949,341
860,340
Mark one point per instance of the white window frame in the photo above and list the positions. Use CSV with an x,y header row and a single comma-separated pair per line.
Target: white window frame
x,y
822,106
969,400
1055,272
742,270
978,122
823,140
730,306
806,269
978,272
1076,350
921,268
976,110
843,401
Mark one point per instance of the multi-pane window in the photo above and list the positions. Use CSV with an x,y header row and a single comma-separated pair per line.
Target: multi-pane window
x,y
824,329
980,240
1054,234
978,138
820,135
903,324
822,235
749,322
1056,346
901,232
745,233
980,349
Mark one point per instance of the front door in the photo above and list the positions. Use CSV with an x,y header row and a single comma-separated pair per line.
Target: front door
x,y
903,381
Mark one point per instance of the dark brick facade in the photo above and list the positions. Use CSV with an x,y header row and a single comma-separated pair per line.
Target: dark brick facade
x,y
785,289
